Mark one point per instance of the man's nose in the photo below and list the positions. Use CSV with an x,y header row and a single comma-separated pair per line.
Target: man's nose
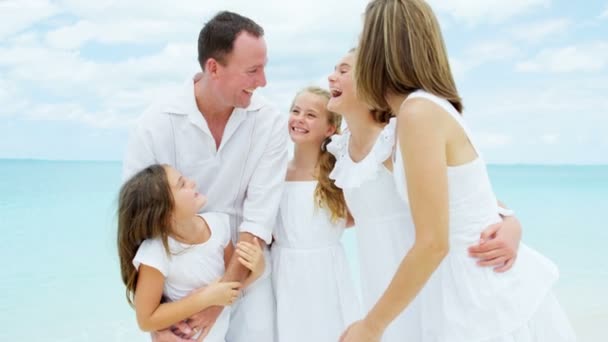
x,y
262,80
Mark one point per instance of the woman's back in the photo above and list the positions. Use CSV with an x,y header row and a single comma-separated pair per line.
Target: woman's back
x,y
465,302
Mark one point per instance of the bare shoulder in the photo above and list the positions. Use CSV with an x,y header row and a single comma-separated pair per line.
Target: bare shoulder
x,y
419,112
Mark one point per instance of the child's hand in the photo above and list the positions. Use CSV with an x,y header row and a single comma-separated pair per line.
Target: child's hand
x,y
252,257
220,293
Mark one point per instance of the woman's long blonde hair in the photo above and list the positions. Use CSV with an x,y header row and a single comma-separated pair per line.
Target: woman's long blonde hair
x,y
401,50
327,194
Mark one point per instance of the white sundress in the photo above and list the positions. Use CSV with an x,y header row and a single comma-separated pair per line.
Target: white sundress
x,y
314,291
463,302
380,222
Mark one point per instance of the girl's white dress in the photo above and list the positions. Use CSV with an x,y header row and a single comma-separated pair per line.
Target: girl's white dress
x,y
314,290
380,222
189,267
463,302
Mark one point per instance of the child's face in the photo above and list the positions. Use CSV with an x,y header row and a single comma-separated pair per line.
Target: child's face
x,y
341,85
308,119
187,200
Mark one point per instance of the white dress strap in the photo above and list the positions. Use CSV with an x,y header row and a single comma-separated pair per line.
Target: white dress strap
x,y
448,107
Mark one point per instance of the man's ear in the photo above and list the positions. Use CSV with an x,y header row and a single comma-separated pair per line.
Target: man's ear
x,y
212,67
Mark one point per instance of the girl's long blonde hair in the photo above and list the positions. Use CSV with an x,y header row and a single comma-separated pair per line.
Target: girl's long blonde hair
x,y
327,194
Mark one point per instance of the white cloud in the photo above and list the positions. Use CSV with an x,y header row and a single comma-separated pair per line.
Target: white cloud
x,y
549,138
121,88
585,57
495,49
19,14
493,140
604,14
24,39
475,11
537,31
51,69
118,31
115,22
11,98
136,9
76,113
541,122
71,37
52,75
482,53
84,88
576,101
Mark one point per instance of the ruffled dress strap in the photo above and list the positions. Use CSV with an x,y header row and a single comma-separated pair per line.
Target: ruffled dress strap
x,y
350,174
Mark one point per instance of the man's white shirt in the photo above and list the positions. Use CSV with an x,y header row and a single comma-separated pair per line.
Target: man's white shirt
x,y
243,178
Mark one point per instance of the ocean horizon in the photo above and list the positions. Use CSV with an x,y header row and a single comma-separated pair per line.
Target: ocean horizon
x,y
35,159
62,279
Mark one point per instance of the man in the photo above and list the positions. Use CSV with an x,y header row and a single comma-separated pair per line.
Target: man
x,y
234,145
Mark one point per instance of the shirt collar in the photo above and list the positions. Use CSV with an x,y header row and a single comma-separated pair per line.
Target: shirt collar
x,y
184,102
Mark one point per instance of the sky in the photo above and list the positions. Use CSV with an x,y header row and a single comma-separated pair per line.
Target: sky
x,y
75,75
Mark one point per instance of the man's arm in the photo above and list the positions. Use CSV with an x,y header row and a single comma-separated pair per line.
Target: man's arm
x,y
263,196
499,242
266,185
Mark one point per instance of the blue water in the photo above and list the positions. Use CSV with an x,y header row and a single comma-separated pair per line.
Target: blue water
x,y
61,279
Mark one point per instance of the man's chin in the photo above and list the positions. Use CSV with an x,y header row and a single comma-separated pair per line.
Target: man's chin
x,y
244,104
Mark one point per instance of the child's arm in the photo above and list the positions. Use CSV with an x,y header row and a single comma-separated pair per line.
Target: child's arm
x,y
251,256
229,251
152,315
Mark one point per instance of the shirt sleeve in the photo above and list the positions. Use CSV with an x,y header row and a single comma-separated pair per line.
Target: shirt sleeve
x,y
266,185
152,253
219,225
139,153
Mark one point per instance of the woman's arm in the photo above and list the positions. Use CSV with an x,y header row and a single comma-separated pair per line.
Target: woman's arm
x,y
422,136
154,316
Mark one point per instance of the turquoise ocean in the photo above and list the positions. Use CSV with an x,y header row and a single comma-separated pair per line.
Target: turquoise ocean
x,y
60,277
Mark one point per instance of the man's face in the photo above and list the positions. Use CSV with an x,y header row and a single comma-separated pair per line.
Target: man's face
x,y
243,71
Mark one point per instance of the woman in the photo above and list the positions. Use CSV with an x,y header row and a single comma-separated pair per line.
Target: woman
x,y
402,65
